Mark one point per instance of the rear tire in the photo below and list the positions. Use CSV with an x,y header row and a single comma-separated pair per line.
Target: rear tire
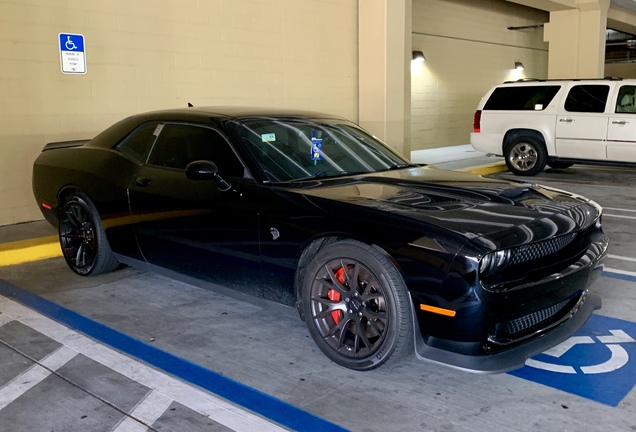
x,y
356,306
82,238
525,156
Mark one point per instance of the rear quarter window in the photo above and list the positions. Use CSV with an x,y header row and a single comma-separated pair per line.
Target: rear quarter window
x,y
587,98
522,98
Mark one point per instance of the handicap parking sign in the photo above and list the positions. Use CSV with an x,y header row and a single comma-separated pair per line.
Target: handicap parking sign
x,y
72,54
598,363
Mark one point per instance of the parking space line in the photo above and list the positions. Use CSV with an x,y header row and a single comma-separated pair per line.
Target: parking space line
x,y
34,375
624,258
619,216
148,411
619,209
224,413
233,416
617,273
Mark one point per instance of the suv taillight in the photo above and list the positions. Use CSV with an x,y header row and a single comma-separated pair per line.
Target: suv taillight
x,y
477,122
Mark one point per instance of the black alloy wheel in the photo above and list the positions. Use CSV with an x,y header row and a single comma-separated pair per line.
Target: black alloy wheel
x,y
83,240
525,156
356,306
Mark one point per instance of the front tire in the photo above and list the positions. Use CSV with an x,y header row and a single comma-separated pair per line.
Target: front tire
x,y
525,156
82,238
357,307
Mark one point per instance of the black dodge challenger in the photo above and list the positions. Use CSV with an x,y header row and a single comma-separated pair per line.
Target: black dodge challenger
x,y
379,256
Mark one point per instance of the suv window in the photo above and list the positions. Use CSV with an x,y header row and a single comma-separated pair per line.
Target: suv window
x,y
180,144
587,98
523,98
626,103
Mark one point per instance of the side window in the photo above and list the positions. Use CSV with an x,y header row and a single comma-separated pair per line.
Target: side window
x,y
180,144
626,103
522,98
137,145
589,98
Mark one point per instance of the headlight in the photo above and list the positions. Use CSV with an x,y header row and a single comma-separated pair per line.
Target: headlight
x,y
493,261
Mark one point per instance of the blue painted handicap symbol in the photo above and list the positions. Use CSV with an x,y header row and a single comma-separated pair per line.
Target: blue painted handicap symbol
x,y
598,363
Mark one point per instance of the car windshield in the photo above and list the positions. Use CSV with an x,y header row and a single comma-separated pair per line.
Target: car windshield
x,y
292,149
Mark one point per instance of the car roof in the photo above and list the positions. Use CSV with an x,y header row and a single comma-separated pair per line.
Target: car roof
x,y
239,112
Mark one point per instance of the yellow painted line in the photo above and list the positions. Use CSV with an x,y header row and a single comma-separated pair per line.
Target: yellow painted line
x,y
23,251
486,169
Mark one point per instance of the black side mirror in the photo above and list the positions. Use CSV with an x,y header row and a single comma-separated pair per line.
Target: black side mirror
x,y
206,170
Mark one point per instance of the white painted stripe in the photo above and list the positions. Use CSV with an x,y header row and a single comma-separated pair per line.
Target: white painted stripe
x,y
147,411
34,375
619,209
196,399
617,271
624,258
21,384
619,216
5,319
130,425
58,358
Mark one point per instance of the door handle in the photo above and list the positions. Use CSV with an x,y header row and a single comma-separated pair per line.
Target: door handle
x,y
142,182
566,120
620,122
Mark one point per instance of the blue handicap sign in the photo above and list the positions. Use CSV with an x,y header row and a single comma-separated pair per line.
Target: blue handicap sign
x,y
71,42
598,363
72,55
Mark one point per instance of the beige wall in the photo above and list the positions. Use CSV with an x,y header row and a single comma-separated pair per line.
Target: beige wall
x,y
153,54
468,49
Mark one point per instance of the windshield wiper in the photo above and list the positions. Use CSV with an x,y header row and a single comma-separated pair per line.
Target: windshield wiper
x,y
403,165
333,173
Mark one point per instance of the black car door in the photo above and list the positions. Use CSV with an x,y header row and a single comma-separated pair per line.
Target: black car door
x,y
191,226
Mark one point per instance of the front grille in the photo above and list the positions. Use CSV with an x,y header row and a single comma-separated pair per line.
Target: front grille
x,y
528,324
539,250
510,332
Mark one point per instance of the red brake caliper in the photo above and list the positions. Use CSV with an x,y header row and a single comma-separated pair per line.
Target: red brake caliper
x,y
335,295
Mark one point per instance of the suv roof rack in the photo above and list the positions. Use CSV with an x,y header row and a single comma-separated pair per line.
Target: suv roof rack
x,y
522,80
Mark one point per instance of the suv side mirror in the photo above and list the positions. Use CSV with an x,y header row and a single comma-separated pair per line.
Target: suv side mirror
x,y
206,170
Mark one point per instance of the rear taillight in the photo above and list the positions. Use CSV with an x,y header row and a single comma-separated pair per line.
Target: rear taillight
x,y
477,121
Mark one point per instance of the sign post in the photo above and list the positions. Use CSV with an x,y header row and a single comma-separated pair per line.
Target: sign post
x,y
72,56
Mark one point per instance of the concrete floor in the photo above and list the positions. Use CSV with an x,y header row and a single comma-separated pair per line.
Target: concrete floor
x,y
54,379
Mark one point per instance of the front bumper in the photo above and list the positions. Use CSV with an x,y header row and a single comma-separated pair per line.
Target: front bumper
x,y
562,308
512,358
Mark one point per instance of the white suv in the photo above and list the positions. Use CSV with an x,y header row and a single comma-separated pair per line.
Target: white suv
x,y
532,123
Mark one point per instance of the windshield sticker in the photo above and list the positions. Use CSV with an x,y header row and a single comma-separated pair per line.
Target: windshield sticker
x,y
538,107
316,147
269,137
158,130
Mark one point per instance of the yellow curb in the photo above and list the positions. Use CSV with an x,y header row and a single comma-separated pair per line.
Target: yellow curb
x,y
23,251
486,169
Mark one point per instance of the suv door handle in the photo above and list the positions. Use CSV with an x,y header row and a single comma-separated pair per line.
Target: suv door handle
x,y
620,122
566,120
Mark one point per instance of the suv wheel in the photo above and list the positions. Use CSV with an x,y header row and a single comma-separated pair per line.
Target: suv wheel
x,y
525,156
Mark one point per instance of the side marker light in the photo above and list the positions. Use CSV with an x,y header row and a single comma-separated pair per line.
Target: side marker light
x,y
438,310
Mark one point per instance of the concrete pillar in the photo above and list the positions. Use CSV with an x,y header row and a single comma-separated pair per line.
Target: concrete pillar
x,y
577,40
384,81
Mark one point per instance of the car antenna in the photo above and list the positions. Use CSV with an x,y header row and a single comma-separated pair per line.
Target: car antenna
x,y
190,105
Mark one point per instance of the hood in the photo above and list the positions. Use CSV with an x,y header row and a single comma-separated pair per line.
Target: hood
x,y
496,213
